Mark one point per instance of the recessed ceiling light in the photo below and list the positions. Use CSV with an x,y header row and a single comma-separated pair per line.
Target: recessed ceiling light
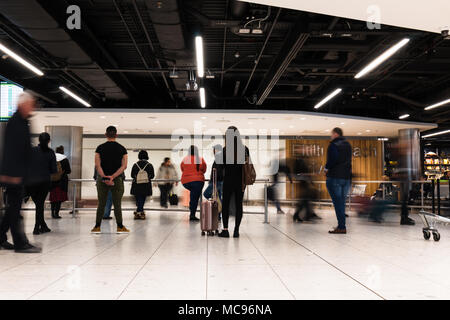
x,y
359,133
302,118
156,121
291,126
102,117
367,130
404,116
342,123
125,131
204,118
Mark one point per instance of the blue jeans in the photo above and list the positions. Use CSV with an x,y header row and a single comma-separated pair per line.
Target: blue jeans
x,y
209,190
195,188
140,201
338,190
108,206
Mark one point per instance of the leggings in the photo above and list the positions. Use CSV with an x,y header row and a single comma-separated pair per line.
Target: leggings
x,y
228,191
56,206
38,194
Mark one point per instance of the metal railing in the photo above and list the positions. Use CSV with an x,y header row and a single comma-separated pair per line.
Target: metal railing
x,y
74,183
266,182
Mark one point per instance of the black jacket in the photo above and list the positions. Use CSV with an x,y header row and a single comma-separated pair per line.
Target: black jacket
x,y
218,167
16,148
142,189
42,165
232,171
64,182
339,159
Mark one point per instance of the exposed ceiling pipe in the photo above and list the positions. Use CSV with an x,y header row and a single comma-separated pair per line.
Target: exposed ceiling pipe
x,y
150,43
261,51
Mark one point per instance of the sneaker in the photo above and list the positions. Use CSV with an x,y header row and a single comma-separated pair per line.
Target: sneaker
x,y
96,230
338,231
122,230
407,222
28,248
6,246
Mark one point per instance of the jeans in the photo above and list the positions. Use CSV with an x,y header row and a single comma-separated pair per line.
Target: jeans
x,y
195,187
116,194
140,201
338,190
108,206
209,190
11,219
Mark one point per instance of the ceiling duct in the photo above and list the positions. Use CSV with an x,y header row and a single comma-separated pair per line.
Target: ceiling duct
x,y
165,16
33,20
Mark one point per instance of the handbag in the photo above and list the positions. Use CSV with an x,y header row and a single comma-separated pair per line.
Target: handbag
x,y
248,174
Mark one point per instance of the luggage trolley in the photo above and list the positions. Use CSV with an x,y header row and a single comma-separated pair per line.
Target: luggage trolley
x,y
430,220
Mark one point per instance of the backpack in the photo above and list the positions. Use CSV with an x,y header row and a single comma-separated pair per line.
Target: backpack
x,y
142,176
58,174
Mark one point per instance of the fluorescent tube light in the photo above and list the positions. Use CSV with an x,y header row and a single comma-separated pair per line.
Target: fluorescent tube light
x,y
21,60
383,57
438,104
202,98
199,52
404,116
436,134
331,96
73,95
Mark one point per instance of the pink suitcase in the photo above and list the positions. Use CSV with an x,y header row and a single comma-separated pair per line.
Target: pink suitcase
x,y
209,213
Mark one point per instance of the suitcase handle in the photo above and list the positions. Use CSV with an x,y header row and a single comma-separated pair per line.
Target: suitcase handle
x,y
214,174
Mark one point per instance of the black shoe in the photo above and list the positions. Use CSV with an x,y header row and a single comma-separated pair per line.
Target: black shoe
x,y
297,219
407,222
224,234
28,248
315,216
36,230
6,246
194,219
44,229
236,234
107,218
346,215
56,216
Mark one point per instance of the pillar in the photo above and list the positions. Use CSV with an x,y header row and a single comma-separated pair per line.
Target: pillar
x,y
71,138
409,144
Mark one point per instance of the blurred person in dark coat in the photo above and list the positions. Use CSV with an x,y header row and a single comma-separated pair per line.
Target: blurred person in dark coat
x,y
13,172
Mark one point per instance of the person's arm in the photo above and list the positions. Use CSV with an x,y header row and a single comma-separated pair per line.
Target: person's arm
x,y
122,168
150,171
66,166
134,171
203,166
98,166
53,168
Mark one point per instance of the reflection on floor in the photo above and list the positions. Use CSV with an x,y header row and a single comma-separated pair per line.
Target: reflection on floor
x,y
166,258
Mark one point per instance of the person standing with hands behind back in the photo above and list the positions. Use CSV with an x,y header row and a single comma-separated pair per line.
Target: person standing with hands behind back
x,y
111,160
339,174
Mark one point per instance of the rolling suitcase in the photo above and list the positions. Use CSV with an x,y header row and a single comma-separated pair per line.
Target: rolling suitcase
x,y
209,214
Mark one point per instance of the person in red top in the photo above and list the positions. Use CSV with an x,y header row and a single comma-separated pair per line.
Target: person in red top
x,y
193,169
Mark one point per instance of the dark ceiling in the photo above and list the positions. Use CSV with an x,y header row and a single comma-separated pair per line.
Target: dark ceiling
x,y
126,49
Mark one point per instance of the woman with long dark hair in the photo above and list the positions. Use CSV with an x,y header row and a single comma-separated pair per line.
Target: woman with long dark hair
x,y
235,154
60,182
193,169
43,165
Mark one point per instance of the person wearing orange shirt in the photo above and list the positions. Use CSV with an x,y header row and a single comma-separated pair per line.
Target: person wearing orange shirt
x,y
193,168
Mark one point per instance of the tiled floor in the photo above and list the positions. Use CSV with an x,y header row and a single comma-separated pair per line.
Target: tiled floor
x,y
165,257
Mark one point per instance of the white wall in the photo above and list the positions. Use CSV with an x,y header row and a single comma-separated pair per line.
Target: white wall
x,y
261,153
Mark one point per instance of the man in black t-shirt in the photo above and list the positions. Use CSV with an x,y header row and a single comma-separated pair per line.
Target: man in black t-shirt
x,y
111,160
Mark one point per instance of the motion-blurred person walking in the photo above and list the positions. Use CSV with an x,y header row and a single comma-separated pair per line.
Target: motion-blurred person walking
x,y
142,174
60,182
111,160
42,166
404,173
272,192
166,172
339,174
16,156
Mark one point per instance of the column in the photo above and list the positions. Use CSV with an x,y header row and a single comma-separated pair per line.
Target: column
x,y
71,138
409,143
